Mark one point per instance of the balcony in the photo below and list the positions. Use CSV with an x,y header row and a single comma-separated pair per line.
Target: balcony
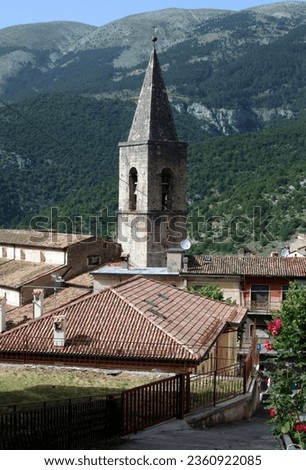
x,y
262,306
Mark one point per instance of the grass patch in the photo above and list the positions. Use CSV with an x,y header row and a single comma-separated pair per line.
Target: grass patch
x,y
28,384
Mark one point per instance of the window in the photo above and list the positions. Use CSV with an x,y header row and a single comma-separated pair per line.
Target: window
x,y
260,295
133,180
93,260
167,188
284,292
4,253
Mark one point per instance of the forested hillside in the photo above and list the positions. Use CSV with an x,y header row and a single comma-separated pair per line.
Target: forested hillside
x,y
61,151
250,188
54,146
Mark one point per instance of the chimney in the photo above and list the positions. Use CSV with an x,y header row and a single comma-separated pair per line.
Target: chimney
x,y
125,260
38,302
59,331
2,314
185,264
174,260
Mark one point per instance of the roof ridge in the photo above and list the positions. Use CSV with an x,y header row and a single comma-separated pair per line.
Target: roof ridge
x,y
150,319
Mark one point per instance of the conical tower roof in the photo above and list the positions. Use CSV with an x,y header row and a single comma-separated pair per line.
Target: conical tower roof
x,y
153,120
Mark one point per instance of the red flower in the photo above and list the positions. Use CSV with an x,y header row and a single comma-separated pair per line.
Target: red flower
x,y
278,323
300,427
272,412
275,326
268,345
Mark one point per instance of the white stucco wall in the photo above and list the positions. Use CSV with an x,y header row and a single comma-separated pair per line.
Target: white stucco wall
x,y
12,297
33,255
7,252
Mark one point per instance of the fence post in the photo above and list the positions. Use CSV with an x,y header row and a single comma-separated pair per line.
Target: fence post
x,y
187,398
70,423
245,378
215,388
123,412
113,413
181,396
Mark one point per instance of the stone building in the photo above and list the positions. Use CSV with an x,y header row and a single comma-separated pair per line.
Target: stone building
x,y
30,259
152,177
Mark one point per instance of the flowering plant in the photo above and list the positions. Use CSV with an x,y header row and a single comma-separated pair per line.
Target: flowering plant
x,y
300,427
268,345
287,400
272,412
274,327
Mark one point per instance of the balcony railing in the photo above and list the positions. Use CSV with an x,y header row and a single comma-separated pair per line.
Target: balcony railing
x,y
263,306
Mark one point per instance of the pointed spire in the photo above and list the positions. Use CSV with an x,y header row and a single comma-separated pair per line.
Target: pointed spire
x,y
153,120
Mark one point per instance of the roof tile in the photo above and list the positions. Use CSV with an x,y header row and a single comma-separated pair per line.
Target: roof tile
x,y
15,273
248,266
37,238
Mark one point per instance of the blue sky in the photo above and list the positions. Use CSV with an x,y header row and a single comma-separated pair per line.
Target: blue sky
x,y
99,12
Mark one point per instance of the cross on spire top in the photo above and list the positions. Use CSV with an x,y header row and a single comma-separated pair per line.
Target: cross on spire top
x,y
154,37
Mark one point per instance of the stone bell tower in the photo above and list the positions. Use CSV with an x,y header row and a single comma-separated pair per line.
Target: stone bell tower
x,y
152,177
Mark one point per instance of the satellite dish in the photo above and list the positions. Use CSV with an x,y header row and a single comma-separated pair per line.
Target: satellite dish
x,y
185,244
285,252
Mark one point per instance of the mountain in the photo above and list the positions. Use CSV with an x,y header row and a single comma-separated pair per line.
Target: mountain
x,y
35,48
237,84
203,45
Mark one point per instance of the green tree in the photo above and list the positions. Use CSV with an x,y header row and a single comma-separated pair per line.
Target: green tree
x,y
287,398
210,291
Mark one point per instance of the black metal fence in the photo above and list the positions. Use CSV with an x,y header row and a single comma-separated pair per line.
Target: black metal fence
x,y
155,402
216,386
70,425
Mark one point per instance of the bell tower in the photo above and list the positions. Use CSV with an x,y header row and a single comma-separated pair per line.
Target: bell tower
x,y
152,177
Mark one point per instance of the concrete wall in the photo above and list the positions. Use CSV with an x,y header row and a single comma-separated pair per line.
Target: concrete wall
x,y
224,353
236,409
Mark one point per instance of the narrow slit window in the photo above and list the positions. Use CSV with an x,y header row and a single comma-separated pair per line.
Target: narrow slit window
x,y
133,180
167,188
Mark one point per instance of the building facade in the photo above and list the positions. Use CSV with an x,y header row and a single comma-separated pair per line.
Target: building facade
x,y
30,259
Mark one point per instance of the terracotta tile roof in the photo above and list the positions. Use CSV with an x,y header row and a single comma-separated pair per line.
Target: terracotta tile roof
x,y
248,266
15,273
4,261
18,315
40,239
139,319
83,280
